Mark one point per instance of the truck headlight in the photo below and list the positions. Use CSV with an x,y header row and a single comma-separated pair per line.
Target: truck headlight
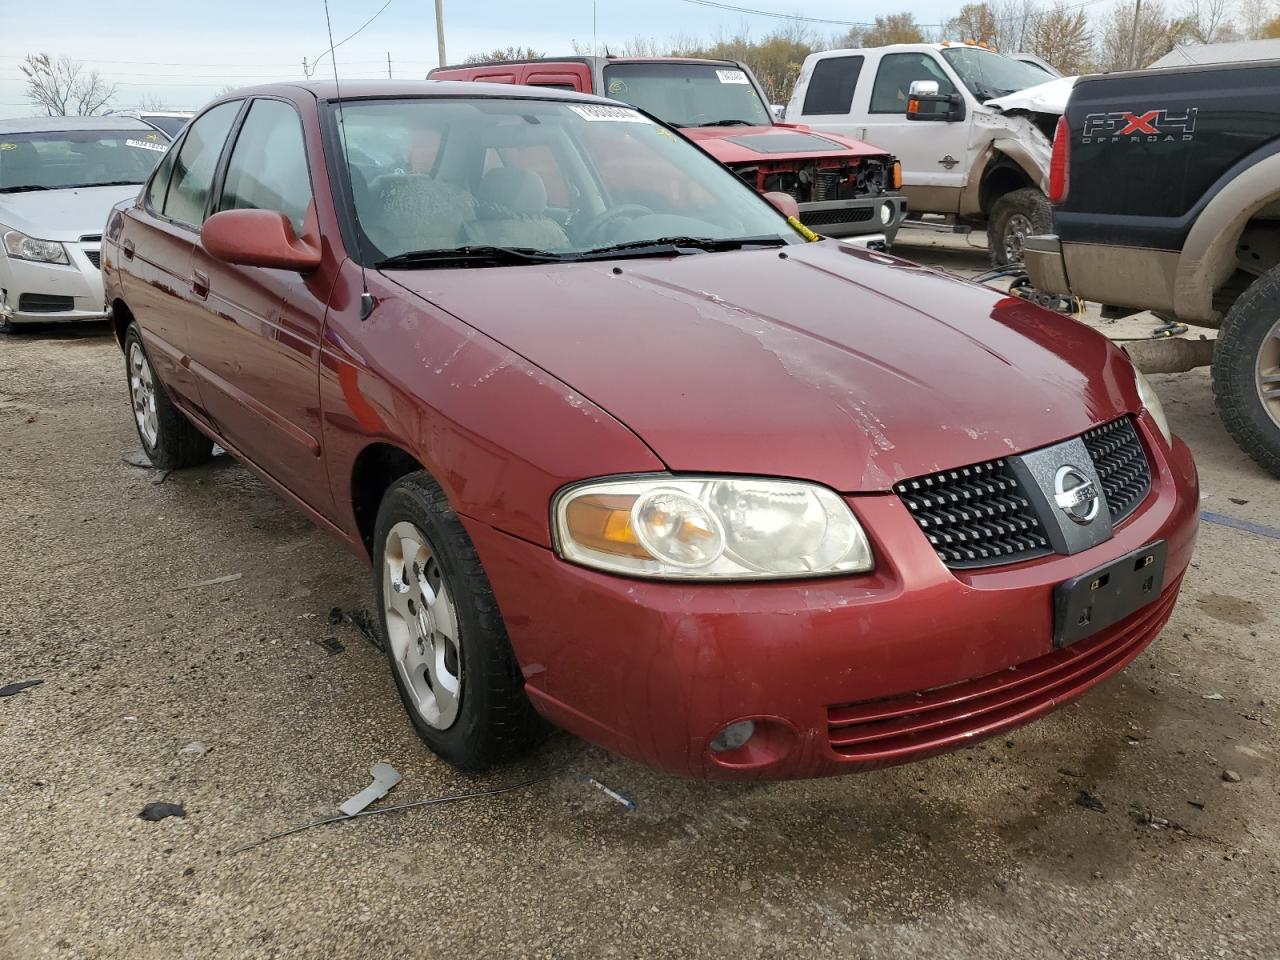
x,y
21,247
709,528
1147,394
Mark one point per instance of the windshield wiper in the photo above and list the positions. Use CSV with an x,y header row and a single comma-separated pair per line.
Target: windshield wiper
x,y
112,183
22,188
730,123
676,246
470,256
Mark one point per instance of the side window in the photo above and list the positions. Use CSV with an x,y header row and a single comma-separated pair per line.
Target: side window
x,y
831,86
896,74
159,184
268,165
197,160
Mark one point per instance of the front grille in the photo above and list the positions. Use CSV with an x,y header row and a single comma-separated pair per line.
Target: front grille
x,y
94,257
44,303
1121,464
898,728
822,218
826,186
975,516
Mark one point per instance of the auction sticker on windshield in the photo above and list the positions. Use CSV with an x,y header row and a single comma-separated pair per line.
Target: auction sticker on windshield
x,y
144,145
591,111
732,76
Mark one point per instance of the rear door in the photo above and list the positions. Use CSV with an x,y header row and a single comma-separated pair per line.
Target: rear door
x,y
156,244
258,346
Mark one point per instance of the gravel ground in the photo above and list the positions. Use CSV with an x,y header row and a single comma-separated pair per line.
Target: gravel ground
x,y
985,852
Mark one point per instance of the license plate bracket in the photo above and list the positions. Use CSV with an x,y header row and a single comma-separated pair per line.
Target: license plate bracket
x,y
1102,597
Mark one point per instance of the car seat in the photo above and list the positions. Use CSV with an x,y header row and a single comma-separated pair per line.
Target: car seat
x,y
416,212
513,212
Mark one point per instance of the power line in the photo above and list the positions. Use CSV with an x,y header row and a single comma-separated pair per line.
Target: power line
x,y
773,14
334,46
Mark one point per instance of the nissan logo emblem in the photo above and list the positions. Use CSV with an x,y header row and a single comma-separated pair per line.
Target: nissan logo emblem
x,y
1075,495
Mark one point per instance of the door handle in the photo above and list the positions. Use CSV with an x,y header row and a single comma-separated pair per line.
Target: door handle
x,y
200,284
127,248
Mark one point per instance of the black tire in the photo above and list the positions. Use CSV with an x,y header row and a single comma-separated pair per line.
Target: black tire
x,y
1024,212
1249,327
494,718
177,443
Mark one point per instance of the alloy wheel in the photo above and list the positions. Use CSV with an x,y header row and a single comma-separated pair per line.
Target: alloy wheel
x,y
142,391
422,626
1017,228
1267,373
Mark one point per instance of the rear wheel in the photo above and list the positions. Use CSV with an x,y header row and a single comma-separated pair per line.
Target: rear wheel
x,y
168,438
445,639
1246,371
1014,217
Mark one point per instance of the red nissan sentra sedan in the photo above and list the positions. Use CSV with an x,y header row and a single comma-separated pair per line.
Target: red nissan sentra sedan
x,y
626,449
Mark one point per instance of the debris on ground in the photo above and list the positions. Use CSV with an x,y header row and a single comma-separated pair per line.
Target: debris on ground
x,y
330,644
13,689
1071,772
612,794
1090,802
1230,776
1212,696
1237,501
229,578
155,812
1198,804
385,776
195,747
362,620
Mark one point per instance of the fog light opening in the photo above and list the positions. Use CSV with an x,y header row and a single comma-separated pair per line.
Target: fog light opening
x,y
886,213
733,736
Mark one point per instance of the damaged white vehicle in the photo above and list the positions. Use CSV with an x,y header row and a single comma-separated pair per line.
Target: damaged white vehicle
x,y
972,127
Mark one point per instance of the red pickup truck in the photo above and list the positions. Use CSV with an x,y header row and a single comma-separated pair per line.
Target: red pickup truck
x,y
844,187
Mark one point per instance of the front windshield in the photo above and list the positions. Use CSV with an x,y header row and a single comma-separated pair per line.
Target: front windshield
x,y
61,159
565,178
988,74
688,94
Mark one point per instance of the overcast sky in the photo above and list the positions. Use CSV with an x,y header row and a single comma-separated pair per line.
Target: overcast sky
x,y
186,51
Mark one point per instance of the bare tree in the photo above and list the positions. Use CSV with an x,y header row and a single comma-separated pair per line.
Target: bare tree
x,y
63,87
1255,18
894,28
1122,47
151,103
505,54
1063,37
1208,21
976,22
1271,30
1014,22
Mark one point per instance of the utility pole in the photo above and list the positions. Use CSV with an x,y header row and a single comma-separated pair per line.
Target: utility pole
x,y
595,44
306,73
389,77
1133,42
440,31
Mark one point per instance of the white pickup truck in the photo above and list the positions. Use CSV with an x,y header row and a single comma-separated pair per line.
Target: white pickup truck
x,y
972,128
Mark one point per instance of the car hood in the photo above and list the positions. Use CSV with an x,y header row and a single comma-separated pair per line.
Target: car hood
x,y
62,214
1048,97
832,364
780,142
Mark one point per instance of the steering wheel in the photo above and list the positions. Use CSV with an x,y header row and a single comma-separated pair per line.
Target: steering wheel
x,y
593,231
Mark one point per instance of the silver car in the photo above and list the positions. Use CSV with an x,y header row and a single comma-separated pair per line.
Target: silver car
x,y
59,179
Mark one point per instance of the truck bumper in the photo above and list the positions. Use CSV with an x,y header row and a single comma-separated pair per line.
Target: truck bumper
x,y
849,218
1042,256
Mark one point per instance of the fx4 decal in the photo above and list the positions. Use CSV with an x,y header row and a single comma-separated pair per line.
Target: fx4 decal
x,y
1149,126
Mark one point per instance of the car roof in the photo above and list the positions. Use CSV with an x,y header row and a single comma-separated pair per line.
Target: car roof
x,y
392,89
58,124
597,61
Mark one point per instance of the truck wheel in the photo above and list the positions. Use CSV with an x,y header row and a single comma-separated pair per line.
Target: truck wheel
x,y
443,632
168,438
1014,217
1246,371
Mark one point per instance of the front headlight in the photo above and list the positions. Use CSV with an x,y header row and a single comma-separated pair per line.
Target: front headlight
x,y
1147,394
709,528
22,247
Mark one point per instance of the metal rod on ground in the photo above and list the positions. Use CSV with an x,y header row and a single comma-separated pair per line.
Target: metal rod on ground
x,y
440,30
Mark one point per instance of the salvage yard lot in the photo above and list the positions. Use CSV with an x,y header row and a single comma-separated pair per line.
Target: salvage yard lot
x,y
165,610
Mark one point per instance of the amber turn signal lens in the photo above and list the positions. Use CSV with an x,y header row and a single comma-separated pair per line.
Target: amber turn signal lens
x,y
913,105
897,174
603,522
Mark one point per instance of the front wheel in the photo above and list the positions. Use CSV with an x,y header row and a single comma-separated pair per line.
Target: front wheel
x,y
1014,217
168,438
1246,371
444,637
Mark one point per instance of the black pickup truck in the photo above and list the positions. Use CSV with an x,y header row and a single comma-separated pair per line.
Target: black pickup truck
x,y
1166,192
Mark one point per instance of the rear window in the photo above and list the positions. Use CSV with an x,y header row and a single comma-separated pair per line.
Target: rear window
x,y
831,86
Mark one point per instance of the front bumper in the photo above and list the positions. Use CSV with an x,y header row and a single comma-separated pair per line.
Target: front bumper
x,y
33,292
882,214
654,670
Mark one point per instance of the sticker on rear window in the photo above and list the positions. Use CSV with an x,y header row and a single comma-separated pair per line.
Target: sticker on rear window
x,y
146,145
8,146
731,76
592,111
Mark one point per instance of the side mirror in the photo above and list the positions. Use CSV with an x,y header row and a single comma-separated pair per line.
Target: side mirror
x,y
924,102
784,203
258,238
